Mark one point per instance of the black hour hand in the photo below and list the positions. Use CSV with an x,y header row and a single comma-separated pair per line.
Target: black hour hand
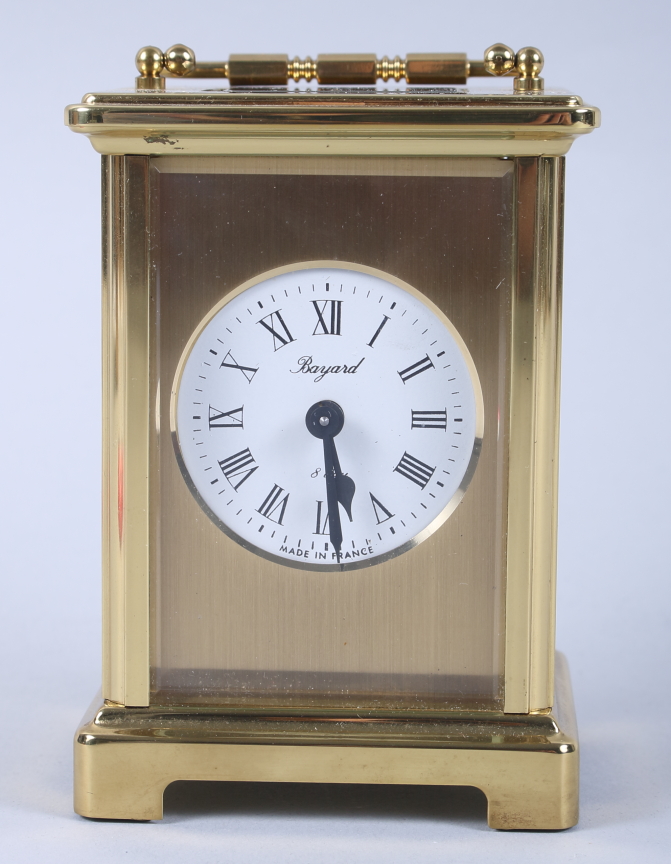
x,y
345,487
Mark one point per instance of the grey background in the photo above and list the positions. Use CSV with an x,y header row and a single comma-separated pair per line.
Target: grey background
x,y
613,609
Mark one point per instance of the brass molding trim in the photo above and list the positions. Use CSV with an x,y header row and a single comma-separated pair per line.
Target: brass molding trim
x,y
177,142
347,121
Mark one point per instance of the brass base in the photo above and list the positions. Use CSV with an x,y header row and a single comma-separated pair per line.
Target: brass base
x,y
527,765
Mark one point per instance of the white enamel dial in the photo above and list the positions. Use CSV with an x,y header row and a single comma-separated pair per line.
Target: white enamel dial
x,y
327,416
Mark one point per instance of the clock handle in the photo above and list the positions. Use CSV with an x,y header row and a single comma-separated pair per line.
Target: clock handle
x,y
276,70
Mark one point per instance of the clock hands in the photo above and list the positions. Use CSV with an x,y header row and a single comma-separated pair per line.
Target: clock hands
x,y
325,420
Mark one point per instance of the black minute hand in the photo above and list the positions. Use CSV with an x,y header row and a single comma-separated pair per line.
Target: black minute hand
x,y
325,420
335,528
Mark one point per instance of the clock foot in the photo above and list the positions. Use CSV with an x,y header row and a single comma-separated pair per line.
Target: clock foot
x,y
526,764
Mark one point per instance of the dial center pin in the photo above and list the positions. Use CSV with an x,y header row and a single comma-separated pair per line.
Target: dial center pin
x,y
325,419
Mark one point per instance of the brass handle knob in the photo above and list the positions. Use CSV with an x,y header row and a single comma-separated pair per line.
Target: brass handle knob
x,y
527,65
153,65
149,62
179,60
499,59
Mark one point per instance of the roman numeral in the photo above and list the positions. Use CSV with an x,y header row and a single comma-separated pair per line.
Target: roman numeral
x,y
416,369
281,335
378,508
414,469
378,331
429,419
226,419
237,465
272,503
322,519
328,317
229,362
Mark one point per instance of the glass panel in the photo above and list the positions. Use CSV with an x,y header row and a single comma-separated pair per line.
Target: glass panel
x,y
424,629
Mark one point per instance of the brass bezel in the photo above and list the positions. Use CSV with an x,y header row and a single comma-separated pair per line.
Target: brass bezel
x,y
452,504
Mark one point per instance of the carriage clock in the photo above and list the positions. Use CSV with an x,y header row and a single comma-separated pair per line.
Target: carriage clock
x,y
331,377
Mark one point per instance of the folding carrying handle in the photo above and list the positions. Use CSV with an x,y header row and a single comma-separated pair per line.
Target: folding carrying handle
x,y
249,70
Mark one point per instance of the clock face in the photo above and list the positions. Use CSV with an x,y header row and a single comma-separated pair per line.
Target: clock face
x,y
327,416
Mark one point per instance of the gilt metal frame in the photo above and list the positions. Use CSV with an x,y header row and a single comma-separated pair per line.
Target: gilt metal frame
x,y
533,130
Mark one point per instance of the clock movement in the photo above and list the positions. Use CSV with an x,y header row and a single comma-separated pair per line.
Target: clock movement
x,y
331,301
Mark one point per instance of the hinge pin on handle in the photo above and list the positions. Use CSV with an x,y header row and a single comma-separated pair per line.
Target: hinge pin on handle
x,y
248,70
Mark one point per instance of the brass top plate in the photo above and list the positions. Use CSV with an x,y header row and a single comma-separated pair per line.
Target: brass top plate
x,y
412,105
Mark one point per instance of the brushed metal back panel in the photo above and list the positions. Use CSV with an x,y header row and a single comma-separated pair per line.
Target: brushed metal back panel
x,y
426,628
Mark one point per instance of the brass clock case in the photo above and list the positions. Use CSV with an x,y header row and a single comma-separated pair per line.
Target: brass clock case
x,y
220,664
